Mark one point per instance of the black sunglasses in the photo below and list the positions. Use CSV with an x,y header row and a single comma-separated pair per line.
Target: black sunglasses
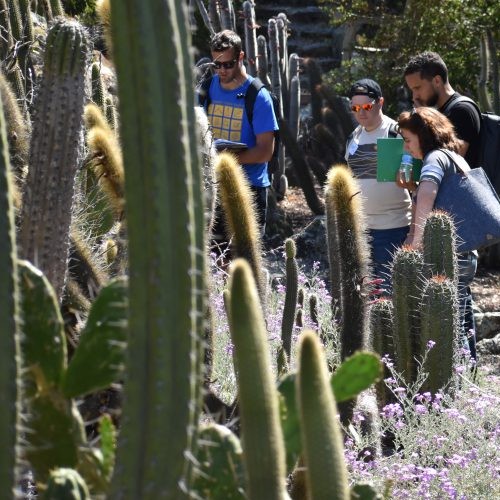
x,y
224,64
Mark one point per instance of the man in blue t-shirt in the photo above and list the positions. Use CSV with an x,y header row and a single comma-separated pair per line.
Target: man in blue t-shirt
x,y
227,116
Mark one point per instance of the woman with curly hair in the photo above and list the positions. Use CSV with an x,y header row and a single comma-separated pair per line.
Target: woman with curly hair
x,y
429,136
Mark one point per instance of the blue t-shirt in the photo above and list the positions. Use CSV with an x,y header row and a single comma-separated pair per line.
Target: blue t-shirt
x,y
226,113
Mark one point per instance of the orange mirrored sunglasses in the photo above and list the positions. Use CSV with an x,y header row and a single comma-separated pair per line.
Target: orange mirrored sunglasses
x,y
366,107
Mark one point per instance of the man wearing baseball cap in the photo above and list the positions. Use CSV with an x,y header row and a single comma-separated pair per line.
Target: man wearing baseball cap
x,y
387,207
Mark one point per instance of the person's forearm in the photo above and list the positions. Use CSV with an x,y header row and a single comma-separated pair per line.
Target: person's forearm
x,y
426,196
257,154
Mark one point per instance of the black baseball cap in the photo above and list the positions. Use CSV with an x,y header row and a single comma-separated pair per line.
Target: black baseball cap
x,y
366,86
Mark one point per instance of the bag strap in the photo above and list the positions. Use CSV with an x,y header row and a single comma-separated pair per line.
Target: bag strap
x,y
250,97
203,92
457,166
463,98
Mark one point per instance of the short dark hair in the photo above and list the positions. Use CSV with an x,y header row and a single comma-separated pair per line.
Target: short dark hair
x,y
428,64
433,129
224,40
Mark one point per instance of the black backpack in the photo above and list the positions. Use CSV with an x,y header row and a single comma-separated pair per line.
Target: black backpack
x,y
251,95
489,142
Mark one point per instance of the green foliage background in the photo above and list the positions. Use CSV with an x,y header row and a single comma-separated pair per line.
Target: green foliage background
x,y
399,29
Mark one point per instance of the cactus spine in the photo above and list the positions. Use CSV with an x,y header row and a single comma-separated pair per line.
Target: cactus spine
x,y
163,205
55,152
292,283
9,319
439,243
407,276
439,314
263,447
239,212
326,472
344,203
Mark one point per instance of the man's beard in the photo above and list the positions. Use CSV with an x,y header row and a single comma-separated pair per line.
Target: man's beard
x,y
432,101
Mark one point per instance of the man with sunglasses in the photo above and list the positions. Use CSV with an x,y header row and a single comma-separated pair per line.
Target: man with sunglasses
x,y
387,207
227,114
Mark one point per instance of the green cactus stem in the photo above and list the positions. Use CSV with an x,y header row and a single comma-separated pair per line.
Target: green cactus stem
x,y
55,152
439,312
292,283
381,336
407,276
250,27
163,206
326,471
9,319
240,216
439,246
98,92
263,66
263,446
349,254
57,8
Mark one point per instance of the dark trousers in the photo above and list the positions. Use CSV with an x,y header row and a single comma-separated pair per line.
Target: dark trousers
x,y
219,233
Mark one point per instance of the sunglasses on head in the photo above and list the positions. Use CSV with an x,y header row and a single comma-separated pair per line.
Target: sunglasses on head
x,y
224,64
366,107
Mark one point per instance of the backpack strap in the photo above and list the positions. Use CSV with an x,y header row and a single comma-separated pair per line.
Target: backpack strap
x,y
463,98
393,130
203,94
250,97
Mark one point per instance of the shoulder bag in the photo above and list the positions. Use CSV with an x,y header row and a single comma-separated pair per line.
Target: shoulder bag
x,y
470,199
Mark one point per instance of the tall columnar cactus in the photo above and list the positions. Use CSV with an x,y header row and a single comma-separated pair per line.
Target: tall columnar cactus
x,y
164,205
347,232
326,471
294,110
57,8
98,93
272,33
9,319
55,151
439,312
17,132
250,27
263,66
407,281
292,283
107,162
439,245
240,216
381,328
5,31
263,446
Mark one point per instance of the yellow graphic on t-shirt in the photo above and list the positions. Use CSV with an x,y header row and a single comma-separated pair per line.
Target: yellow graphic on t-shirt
x,y
226,121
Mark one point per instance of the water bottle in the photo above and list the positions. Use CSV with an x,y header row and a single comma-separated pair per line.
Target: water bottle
x,y
406,167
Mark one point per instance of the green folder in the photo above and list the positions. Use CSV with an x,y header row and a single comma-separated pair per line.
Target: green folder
x,y
389,152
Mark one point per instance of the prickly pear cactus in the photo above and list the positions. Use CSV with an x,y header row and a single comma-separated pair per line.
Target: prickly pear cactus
x,y
220,471
66,484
